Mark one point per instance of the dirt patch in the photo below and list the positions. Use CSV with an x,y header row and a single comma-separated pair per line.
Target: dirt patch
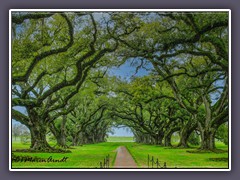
x,y
124,159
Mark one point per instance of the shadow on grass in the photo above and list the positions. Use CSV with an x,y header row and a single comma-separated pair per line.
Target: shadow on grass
x,y
53,150
178,147
200,151
218,159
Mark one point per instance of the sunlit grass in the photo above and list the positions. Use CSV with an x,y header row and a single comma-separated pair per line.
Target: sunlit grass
x,y
89,156
120,139
179,158
86,156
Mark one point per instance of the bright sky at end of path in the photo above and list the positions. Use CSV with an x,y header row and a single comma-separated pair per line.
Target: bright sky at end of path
x,y
126,71
122,131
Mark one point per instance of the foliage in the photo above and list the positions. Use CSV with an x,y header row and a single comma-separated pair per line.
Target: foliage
x,y
194,139
60,75
222,133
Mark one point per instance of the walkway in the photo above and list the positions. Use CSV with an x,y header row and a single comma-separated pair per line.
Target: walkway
x,y
124,159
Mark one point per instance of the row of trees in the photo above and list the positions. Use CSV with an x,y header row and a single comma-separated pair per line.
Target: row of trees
x,y
87,122
154,117
52,55
60,65
189,55
20,131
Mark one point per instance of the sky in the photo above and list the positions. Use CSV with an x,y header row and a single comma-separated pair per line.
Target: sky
x,y
121,132
127,71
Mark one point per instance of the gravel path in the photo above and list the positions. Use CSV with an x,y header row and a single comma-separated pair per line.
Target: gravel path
x,y
124,159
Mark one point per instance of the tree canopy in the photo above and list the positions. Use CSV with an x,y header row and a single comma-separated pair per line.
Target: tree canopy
x,y
61,66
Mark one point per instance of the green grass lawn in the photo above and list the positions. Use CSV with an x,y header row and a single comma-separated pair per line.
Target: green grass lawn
x,y
179,158
86,156
120,139
89,156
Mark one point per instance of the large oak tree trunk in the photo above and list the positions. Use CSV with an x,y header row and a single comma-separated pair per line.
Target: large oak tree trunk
x,y
75,140
208,139
168,136
206,130
167,140
185,133
38,137
59,133
159,139
206,142
61,139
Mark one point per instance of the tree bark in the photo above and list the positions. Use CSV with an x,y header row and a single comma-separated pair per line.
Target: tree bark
x,y
159,139
167,140
208,137
75,140
38,137
60,133
168,136
62,139
185,133
207,140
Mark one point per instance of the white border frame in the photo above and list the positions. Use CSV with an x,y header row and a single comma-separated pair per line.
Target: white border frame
x,y
117,10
